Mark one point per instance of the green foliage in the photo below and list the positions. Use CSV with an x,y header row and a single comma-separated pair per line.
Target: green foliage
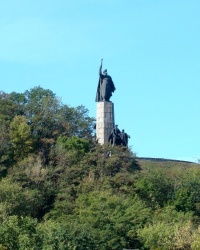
x,y
107,161
46,119
4,137
74,143
187,190
21,139
155,187
61,190
12,199
49,118
6,152
17,200
8,107
111,220
56,236
69,150
42,112
169,229
38,187
18,233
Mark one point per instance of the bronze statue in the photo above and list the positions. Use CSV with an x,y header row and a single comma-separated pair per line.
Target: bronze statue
x,y
118,138
124,136
114,138
105,86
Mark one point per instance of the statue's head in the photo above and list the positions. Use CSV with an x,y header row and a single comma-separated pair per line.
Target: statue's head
x,y
105,72
122,130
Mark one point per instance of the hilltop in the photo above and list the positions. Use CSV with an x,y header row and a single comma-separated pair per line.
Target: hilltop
x,y
147,162
61,190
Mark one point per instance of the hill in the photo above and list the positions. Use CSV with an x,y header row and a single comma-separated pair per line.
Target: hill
x,y
146,163
61,190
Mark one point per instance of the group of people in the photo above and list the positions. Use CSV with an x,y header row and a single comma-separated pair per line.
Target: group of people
x,y
118,137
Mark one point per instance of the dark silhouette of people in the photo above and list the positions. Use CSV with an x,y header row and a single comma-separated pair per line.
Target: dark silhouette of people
x,y
124,136
116,134
114,137
118,138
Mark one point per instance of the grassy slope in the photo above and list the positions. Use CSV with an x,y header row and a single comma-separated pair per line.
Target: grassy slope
x,y
147,163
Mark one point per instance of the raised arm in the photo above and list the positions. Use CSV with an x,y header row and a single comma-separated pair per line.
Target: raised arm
x,y
100,69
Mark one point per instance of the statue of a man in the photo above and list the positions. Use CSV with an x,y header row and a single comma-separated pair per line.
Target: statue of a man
x,y
114,137
105,86
124,136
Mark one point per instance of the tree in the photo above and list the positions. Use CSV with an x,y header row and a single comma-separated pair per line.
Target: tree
x,y
155,187
168,230
38,185
6,153
8,107
18,233
53,235
111,220
13,198
21,138
187,190
69,150
49,119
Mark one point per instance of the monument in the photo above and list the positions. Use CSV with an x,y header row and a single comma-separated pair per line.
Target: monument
x,y
106,130
105,108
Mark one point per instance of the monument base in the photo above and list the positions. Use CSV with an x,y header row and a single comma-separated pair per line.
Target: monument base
x,y
105,121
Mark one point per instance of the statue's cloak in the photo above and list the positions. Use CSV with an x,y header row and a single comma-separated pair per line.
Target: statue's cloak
x,y
98,94
106,91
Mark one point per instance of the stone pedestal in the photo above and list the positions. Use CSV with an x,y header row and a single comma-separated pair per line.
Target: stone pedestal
x,y
105,121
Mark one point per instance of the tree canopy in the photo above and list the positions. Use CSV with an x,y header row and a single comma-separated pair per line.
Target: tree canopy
x,y
60,190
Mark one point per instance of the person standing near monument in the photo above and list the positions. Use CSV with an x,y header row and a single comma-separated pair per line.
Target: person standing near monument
x,y
105,86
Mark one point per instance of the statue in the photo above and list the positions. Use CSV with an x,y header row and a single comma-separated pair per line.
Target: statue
x,y
114,137
118,138
124,136
105,86
116,134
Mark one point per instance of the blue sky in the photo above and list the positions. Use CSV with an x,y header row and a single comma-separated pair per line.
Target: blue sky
x,y
150,48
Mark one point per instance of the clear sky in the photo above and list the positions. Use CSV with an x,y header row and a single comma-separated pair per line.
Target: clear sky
x,y
151,49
